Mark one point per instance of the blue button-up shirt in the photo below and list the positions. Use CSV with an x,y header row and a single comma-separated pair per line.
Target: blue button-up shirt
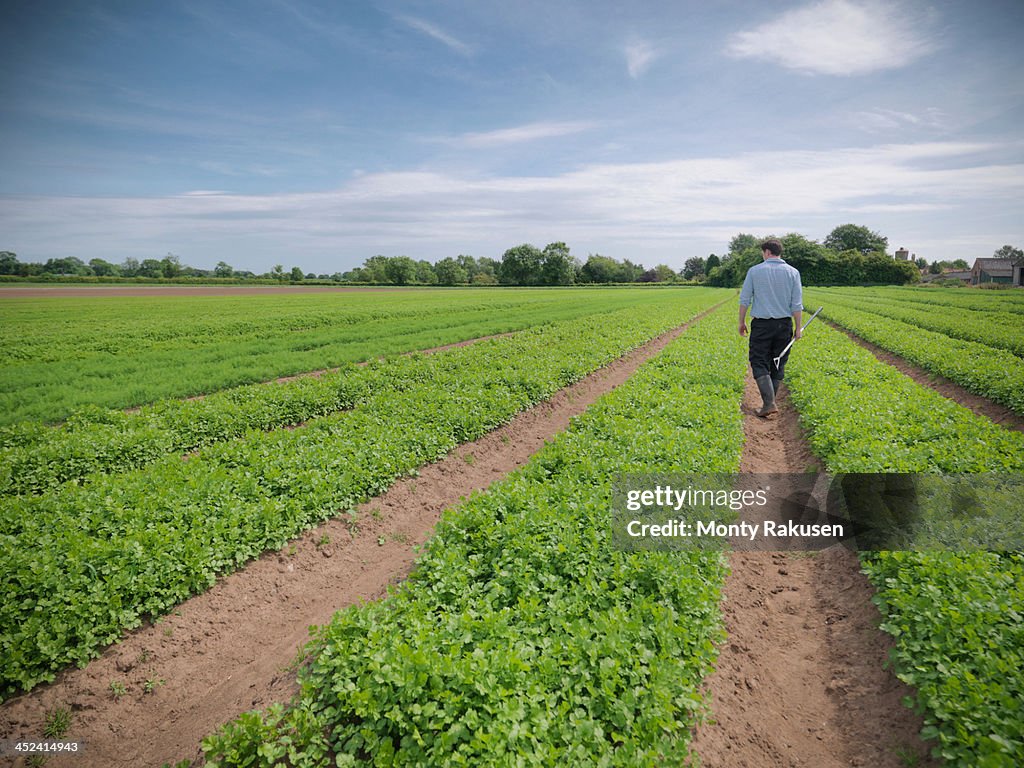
x,y
773,288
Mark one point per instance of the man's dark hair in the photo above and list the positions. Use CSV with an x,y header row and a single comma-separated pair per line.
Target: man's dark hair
x,y
772,245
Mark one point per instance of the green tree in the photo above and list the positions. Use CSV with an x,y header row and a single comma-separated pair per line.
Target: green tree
x,y
665,273
425,274
69,265
520,265
1008,252
485,265
102,268
693,268
130,267
468,264
600,269
399,270
150,268
450,272
277,272
712,262
961,264
851,237
373,269
170,266
223,269
9,263
558,267
629,272
743,243
296,275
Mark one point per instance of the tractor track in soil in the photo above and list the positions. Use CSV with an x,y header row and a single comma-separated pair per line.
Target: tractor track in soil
x,y
233,648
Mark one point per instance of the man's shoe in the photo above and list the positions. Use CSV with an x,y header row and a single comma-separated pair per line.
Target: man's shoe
x,y
766,411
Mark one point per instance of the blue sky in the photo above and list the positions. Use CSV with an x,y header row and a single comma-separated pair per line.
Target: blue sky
x,y
317,134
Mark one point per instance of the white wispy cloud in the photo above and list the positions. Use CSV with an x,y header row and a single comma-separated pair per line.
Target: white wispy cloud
x,y
838,37
887,120
640,54
631,207
435,32
519,134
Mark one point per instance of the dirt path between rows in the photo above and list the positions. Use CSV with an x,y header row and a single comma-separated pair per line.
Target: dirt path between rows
x,y
229,650
800,681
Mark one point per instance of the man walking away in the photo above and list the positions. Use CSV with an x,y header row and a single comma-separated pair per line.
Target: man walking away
x,y
772,292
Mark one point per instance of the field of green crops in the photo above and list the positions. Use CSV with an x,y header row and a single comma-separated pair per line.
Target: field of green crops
x,y
523,637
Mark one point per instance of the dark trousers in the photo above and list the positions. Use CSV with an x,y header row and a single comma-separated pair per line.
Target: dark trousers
x,y
768,337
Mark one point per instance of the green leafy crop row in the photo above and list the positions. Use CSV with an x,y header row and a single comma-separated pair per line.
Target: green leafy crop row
x,y
993,373
956,617
60,355
523,637
982,301
1002,330
81,563
35,457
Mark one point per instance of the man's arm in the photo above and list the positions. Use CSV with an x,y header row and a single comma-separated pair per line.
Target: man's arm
x,y
743,320
797,317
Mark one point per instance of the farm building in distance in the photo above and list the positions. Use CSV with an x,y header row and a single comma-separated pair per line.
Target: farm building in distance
x,y
1005,271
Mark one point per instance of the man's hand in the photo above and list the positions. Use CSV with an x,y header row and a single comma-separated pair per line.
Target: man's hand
x,y
798,333
743,328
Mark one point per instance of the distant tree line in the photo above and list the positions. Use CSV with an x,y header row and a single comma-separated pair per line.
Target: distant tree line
x,y
850,255
169,267
522,265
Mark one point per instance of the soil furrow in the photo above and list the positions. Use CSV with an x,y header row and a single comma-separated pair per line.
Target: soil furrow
x,y
801,679
229,650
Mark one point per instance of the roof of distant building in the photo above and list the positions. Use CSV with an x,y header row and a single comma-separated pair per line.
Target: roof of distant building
x,y
995,267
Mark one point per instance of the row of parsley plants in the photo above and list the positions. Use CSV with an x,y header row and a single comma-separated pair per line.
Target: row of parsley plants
x,y
1001,330
993,373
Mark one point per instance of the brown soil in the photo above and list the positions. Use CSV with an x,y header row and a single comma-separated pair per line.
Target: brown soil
x,y
229,650
800,681
980,405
